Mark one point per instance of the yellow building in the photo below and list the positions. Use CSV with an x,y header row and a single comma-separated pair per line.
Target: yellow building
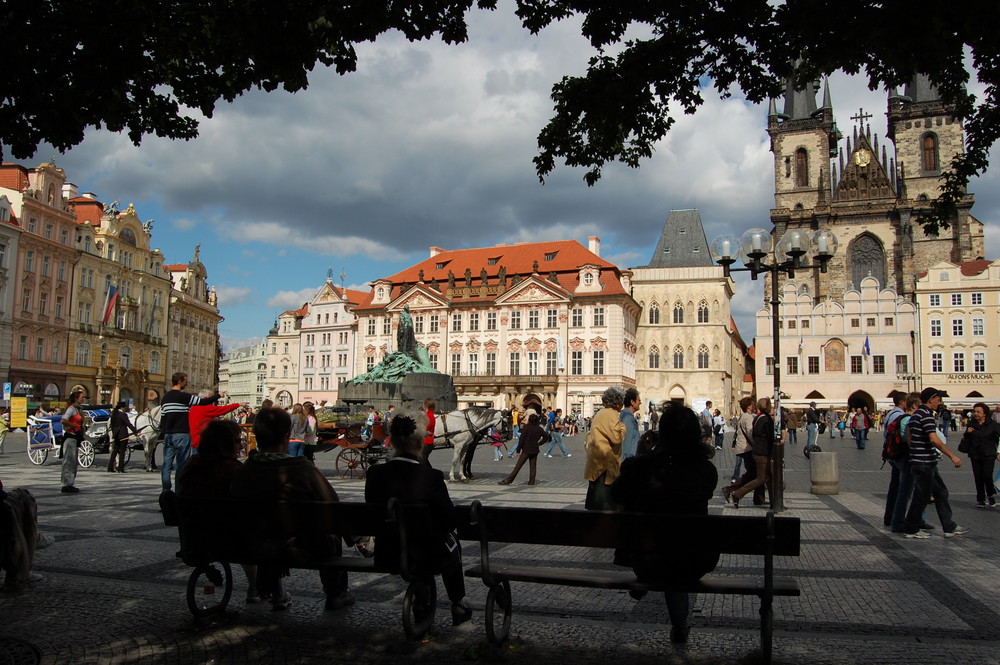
x,y
959,305
117,341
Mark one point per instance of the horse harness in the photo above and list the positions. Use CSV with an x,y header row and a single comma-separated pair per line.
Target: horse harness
x,y
477,434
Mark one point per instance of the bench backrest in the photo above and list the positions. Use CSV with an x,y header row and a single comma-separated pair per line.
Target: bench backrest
x,y
637,531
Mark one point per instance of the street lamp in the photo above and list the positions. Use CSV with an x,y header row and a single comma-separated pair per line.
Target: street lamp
x,y
754,248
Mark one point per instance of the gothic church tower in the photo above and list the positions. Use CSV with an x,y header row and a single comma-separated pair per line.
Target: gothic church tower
x,y
868,192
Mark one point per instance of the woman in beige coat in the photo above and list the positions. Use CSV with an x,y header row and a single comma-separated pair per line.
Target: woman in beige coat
x,y
604,451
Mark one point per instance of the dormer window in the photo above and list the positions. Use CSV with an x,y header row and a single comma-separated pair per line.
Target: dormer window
x,y
493,261
550,256
442,265
380,292
588,278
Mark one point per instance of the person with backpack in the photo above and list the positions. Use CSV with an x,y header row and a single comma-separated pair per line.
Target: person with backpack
x,y
891,441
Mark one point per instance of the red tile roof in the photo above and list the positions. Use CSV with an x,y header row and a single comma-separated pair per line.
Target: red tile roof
x,y
176,267
300,312
13,176
565,257
87,209
973,268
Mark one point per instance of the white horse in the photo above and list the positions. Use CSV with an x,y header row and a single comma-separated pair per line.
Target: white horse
x,y
462,429
148,424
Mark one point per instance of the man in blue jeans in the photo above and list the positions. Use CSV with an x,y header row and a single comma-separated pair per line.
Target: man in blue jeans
x,y
555,427
174,424
927,481
812,425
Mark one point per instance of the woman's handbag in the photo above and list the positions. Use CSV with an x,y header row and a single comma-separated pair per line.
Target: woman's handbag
x,y
964,446
822,428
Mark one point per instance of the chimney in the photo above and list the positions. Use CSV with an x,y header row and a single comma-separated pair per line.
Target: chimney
x,y
70,191
435,251
594,244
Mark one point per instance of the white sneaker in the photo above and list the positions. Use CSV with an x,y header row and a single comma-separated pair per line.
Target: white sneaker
x,y
569,454
919,535
547,455
958,531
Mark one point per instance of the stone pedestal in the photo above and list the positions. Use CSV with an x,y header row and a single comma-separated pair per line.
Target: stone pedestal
x,y
824,473
409,394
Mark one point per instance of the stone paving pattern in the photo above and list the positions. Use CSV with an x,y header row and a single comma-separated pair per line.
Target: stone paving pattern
x,y
114,592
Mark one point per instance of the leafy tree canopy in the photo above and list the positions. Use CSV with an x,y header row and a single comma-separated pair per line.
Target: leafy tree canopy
x,y
135,66
634,87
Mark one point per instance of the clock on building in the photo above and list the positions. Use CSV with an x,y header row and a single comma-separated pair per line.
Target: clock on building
x,y
862,157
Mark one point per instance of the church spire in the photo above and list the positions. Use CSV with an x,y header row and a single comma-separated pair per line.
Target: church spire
x,y
920,89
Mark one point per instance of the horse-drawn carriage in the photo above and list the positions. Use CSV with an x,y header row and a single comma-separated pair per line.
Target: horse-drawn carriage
x,y
45,434
359,449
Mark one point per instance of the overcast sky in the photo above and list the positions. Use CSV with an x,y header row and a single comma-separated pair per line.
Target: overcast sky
x,y
428,144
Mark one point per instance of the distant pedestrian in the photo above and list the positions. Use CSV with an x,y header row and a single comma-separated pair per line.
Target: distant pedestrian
x,y
118,430
742,440
604,449
707,421
297,438
627,416
429,407
529,444
718,429
761,448
980,443
812,425
556,428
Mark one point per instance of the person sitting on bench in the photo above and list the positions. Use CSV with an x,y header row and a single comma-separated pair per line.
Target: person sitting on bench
x,y
274,475
405,478
19,536
676,478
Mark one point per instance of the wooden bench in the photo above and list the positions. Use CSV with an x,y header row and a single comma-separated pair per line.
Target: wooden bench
x,y
768,536
217,532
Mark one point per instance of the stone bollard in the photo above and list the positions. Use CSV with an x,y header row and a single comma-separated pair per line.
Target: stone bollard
x,y
824,473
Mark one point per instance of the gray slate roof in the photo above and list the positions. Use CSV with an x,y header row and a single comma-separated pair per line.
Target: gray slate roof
x,y
682,243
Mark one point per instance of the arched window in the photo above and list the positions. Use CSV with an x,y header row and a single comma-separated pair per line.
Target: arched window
x,y
703,312
929,152
654,358
867,259
703,357
654,313
678,313
678,358
82,353
801,168
125,357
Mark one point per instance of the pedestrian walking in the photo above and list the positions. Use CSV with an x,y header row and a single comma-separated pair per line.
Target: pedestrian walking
x,y
72,422
556,428
529,444
924,446
812,425
627,416
119,428
604,450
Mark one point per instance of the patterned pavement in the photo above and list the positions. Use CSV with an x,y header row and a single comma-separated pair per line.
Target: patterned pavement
x,y
114,593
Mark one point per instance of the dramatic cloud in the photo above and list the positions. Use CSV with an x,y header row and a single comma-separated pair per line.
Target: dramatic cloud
x,y
291,299
231,296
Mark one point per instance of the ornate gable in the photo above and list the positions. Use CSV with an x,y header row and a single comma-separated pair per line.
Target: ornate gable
x,y
533,290
326,294
864,177
418,296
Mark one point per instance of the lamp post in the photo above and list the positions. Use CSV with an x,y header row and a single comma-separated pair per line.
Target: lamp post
x,y
754,248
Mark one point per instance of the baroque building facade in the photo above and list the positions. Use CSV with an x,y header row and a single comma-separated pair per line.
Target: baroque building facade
x,y
246,369
193,325
10,233
117,337
870,193
550,322
689,350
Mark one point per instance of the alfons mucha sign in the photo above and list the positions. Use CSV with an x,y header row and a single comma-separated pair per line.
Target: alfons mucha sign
x,y
970,378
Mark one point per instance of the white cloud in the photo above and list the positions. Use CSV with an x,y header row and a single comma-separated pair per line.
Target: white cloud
x,y
230,296
292,299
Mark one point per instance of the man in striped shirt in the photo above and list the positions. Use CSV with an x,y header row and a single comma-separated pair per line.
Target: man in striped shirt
x,y
174,424
924,446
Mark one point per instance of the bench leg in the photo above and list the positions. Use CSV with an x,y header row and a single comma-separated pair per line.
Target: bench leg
x,y
498,612
766,630
419,608
209,589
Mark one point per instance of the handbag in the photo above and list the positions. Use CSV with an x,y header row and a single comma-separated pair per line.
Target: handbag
x,y
964,446
822,428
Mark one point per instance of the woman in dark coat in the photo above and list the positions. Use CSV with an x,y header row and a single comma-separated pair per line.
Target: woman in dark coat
x,y
980,444
407,479
120,427
675,478
529,445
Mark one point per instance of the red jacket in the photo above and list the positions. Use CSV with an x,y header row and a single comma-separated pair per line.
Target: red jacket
x,y
199,416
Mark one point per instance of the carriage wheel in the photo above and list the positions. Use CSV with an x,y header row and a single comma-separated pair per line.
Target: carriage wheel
x,y
419,607
38,455
351,463
498,612
85,453
209,588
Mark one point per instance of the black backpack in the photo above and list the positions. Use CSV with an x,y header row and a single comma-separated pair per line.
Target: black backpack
x,y
896,446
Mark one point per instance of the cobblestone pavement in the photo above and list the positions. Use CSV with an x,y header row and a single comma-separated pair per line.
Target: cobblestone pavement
x,y
114,593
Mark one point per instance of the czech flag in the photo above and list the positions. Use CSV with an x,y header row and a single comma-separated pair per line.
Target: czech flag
x,y
109,304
